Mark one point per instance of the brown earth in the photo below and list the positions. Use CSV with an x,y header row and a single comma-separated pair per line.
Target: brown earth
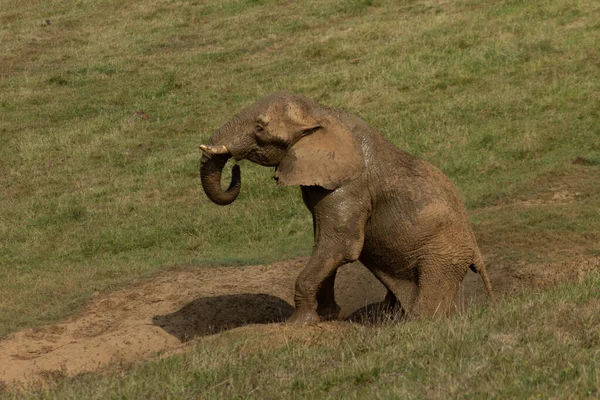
x,y
162,314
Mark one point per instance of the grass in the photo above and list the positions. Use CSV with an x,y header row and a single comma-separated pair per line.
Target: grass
x,y
103,108
534,345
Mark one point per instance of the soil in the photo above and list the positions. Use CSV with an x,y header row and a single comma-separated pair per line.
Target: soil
x,y
163,314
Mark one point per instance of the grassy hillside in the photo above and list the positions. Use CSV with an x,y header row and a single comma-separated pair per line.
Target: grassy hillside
x,y
103,105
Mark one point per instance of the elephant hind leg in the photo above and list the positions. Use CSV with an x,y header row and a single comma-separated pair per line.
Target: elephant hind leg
x,y
437,289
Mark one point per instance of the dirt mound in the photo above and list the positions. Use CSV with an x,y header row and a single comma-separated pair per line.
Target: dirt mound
x,y
164,313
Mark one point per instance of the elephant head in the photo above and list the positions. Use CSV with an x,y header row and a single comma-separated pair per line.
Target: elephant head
x,y
303,140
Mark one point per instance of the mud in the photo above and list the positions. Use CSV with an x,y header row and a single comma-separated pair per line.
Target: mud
x,y
163,314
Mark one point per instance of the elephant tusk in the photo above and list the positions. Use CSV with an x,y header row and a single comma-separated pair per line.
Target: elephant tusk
x,y
213,150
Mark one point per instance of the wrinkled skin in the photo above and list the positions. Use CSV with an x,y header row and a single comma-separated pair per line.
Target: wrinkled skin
x,y
370,201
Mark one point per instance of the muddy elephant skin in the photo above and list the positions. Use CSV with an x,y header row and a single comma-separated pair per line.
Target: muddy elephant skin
x,y
370,201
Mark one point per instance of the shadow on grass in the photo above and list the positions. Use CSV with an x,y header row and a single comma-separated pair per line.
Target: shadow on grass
x,y
210,315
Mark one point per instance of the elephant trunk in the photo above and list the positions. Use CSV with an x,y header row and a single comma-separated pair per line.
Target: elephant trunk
x,y
211,167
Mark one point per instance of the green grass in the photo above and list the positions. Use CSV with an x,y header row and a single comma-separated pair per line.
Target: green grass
x,y
544,344
102,111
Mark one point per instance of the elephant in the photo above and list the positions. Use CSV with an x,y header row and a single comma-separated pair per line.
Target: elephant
x,y
372,202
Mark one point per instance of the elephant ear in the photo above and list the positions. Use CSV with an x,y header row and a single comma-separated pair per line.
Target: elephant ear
x,y
325,156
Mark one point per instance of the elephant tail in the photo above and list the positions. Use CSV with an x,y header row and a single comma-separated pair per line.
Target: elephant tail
x,y
480,269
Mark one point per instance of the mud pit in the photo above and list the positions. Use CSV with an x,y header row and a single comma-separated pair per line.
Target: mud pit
x,y
163,314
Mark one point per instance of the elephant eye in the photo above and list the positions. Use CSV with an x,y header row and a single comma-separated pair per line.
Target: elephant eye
x,y
260,132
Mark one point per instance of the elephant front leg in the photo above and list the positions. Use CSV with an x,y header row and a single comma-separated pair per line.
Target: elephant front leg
x,y
327,308
339,221
314,283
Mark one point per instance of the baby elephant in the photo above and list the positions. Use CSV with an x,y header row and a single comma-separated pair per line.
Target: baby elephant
x,y
370,201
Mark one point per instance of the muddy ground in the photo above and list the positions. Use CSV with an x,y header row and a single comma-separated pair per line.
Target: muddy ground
x,y
165,313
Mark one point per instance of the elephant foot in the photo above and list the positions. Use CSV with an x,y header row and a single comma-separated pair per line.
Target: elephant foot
x,y
329,312
304,318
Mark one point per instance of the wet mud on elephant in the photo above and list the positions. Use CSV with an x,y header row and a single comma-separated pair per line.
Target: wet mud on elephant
x,y
370,201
